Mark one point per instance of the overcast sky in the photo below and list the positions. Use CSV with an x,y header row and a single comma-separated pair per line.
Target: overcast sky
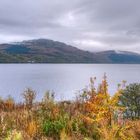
x,y
88,24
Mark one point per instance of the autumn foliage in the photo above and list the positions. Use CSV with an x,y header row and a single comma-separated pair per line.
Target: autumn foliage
x,y
93,115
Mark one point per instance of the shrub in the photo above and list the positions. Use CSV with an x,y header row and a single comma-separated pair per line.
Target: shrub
x,y
130,99
14,135
29,96
53,128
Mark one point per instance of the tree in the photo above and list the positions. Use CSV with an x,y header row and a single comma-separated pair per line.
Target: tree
x,y
29,97
102,114
130,99
99,105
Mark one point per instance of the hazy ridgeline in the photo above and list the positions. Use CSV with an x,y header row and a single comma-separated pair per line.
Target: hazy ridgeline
x,y
93,115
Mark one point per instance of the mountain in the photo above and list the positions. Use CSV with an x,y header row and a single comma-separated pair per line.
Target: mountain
x,y
43,51
120,57
49,51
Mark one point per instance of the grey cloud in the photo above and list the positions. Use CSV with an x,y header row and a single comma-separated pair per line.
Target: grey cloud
x,y
87,24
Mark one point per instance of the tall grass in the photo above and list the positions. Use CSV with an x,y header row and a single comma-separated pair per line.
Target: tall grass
x,y
94,115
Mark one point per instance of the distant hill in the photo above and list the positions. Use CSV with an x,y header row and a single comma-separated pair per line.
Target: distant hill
x,y
120,57
49,51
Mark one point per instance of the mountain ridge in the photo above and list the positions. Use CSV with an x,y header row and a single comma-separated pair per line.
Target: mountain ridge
x,y
49,51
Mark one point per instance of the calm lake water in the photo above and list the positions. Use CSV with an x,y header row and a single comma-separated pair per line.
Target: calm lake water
x,y
64,79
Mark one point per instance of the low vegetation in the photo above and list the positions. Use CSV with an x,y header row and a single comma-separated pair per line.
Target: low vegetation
x,y
93,115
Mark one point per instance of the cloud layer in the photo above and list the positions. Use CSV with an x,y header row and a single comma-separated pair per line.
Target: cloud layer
x,y
88,24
